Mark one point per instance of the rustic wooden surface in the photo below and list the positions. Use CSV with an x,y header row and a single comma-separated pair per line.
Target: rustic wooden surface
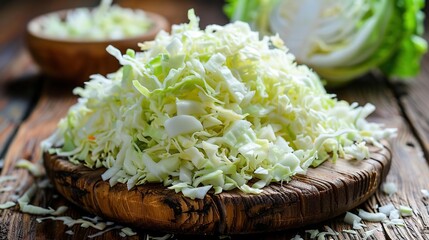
x,y
30,106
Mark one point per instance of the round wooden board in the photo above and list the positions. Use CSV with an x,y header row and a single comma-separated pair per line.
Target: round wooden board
x,y
323,193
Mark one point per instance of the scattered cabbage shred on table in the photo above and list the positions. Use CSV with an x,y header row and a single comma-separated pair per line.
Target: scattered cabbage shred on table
x,y
210,109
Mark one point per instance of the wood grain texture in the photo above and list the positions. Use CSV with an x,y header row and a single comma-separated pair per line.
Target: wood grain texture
x,y
323,193
51,107
6,131
18,90
416,105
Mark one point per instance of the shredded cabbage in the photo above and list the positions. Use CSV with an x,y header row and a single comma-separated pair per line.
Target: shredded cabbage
x,y
297,237
343,39
372,217
387,209
7,205
7,178
128,231
26,207
405,211
329,232
70,222
34,168
370,233
313,232
394,214
389,188
395,222
214,109
351,218
350,231
103,22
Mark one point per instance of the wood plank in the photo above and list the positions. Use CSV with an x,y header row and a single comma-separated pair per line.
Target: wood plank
x,y
18,89
415,103
51,107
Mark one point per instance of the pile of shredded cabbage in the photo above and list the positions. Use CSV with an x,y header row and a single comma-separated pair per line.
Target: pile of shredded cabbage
x,y
103,22
210,109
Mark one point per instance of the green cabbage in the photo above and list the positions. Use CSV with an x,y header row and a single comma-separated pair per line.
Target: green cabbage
x,y
210,109
343,39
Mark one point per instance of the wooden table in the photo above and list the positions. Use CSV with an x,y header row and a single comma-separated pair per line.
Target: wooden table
x,y
30,106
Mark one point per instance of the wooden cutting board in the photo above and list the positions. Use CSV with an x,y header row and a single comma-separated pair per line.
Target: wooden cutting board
x,y
323,193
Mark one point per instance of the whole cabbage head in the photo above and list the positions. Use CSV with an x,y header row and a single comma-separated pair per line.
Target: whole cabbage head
x,y
343,39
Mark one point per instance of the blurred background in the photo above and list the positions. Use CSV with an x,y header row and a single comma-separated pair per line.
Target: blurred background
x,y
15,14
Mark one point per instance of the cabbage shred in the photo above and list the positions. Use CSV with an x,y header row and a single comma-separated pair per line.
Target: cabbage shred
x,y
214,109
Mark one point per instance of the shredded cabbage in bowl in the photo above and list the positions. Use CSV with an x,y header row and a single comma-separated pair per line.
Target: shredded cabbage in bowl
x,y
103,22
210,109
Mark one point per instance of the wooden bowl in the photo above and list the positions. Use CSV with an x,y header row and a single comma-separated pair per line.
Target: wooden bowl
x,y
73,61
